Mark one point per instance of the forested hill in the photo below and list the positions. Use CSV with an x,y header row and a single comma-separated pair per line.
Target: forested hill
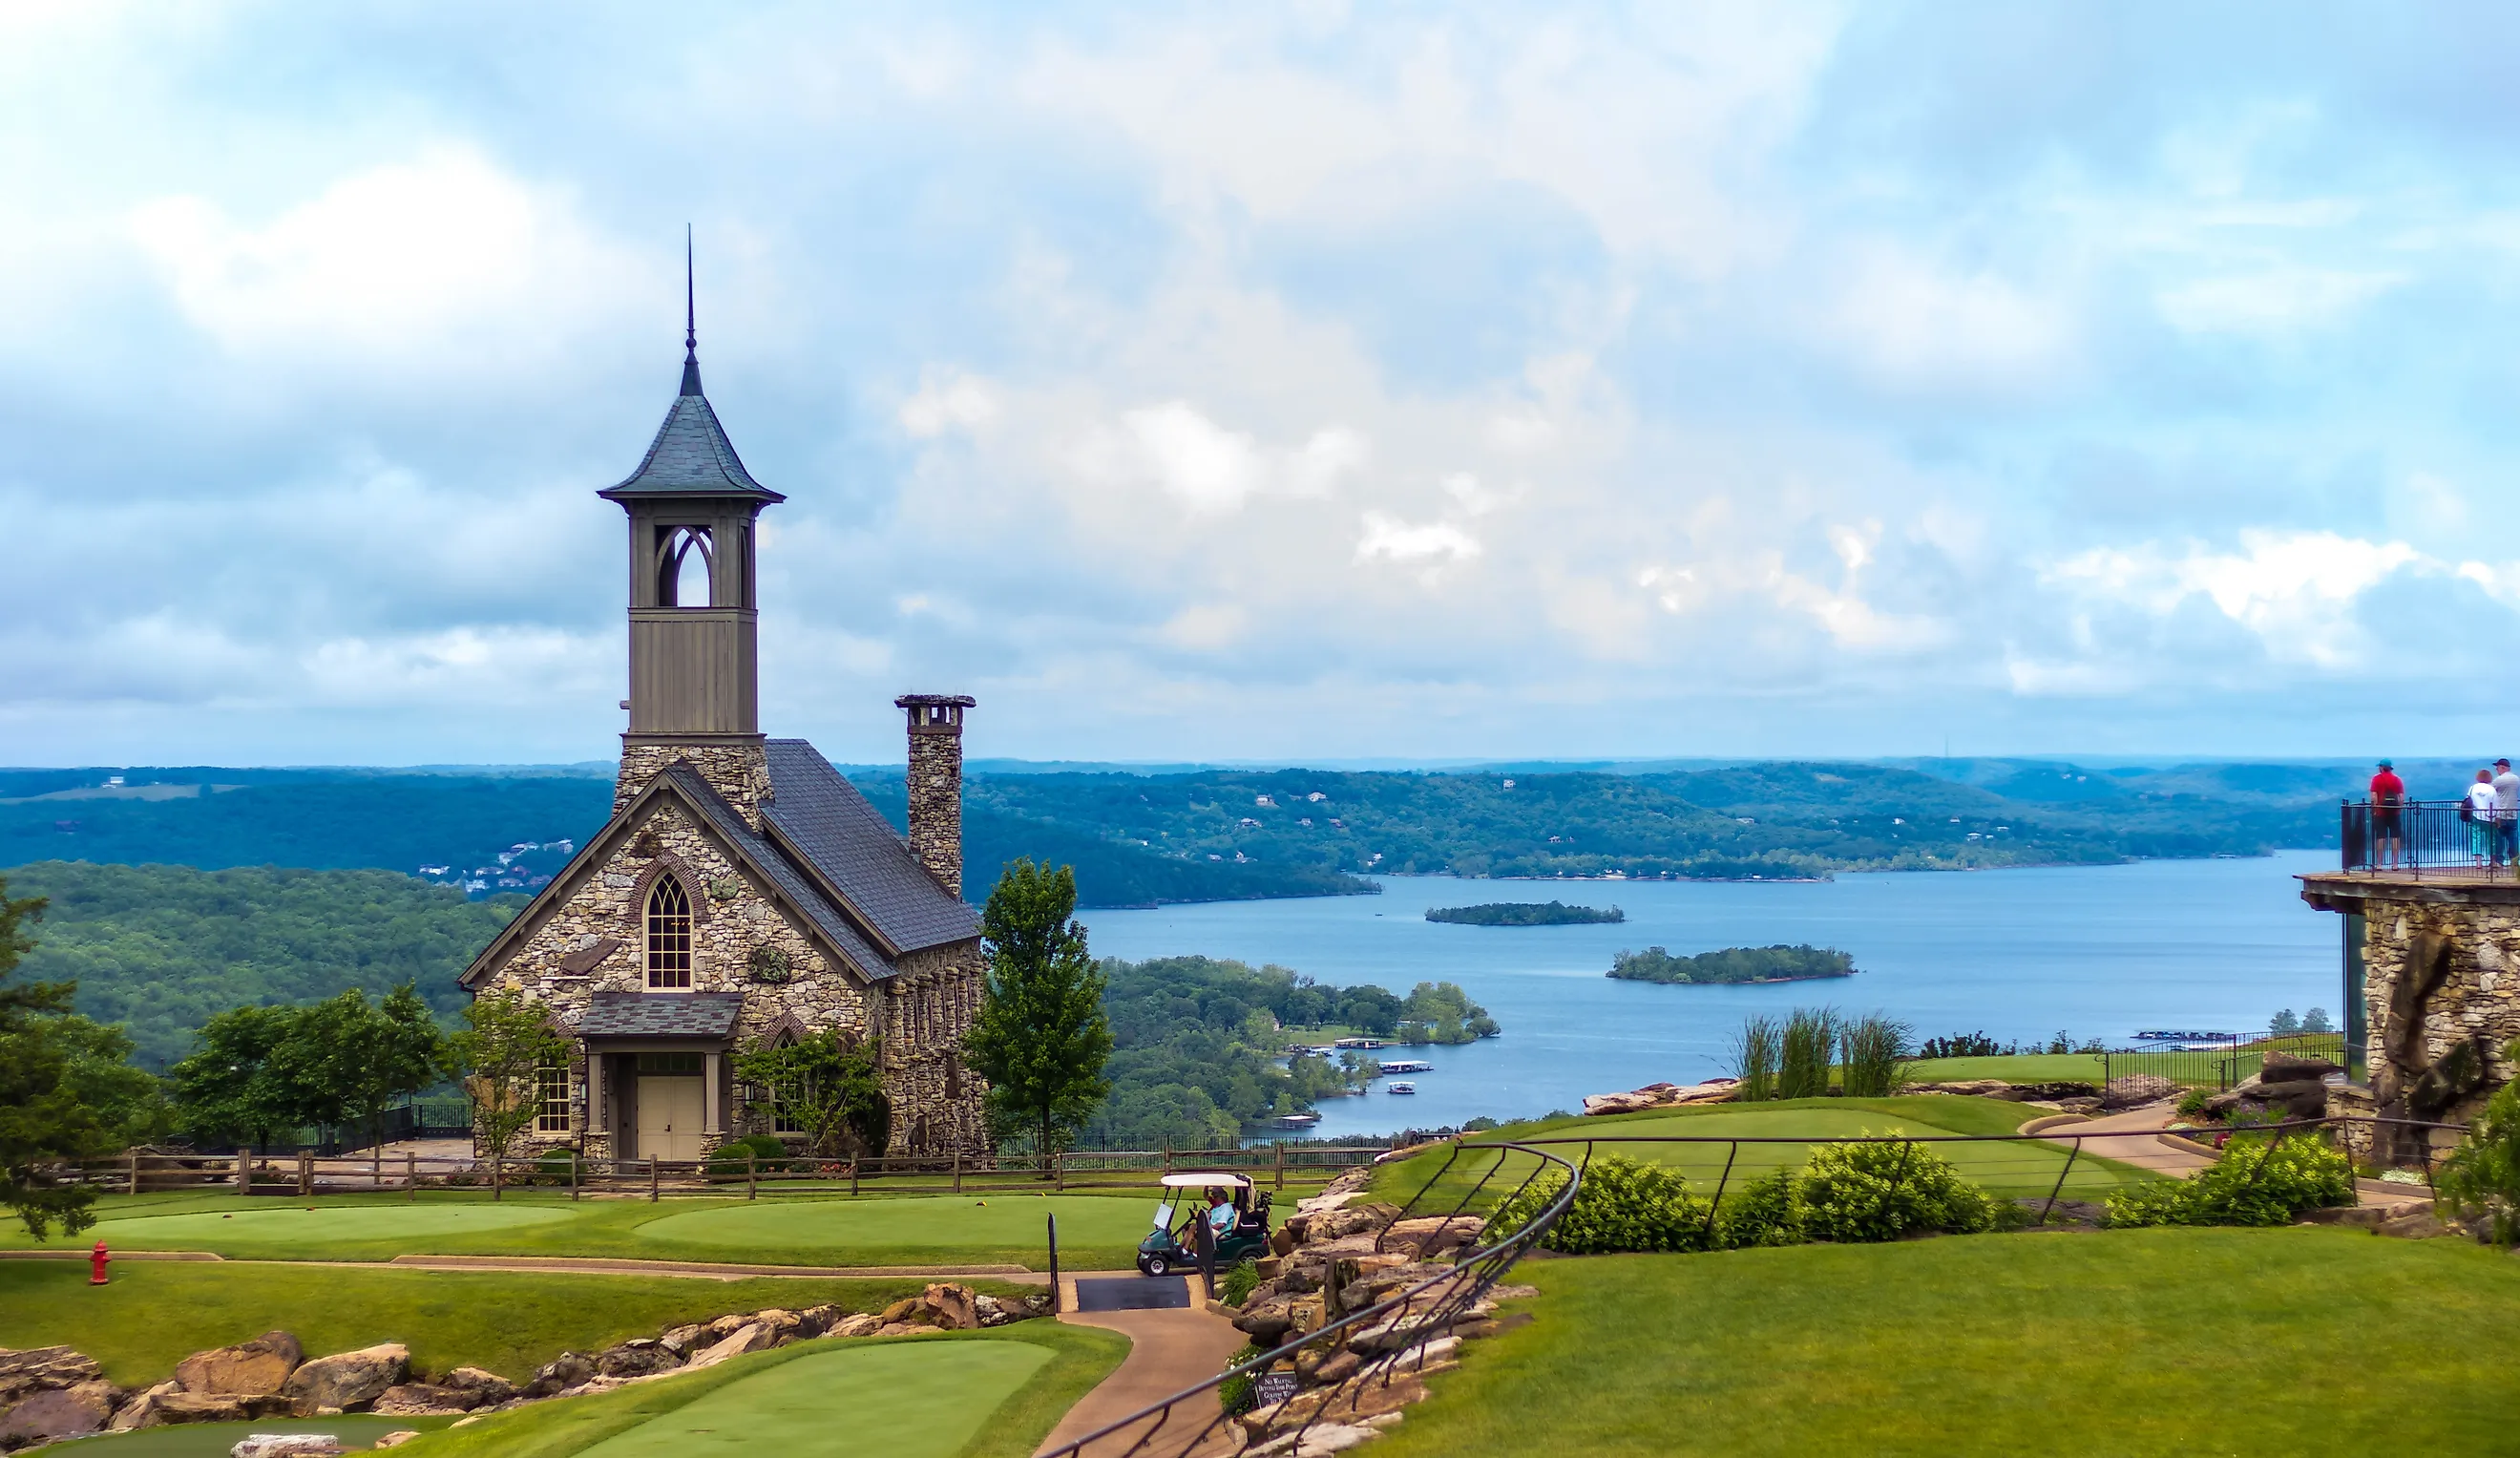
x,y
1219,835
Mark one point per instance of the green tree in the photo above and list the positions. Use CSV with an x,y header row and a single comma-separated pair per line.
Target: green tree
x,y
506,1043
351,1059
44,1120
1040,1038
830,1086
231,1087
2480,1181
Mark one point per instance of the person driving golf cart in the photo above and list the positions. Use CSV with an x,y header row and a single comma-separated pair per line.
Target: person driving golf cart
x,y
1235,1215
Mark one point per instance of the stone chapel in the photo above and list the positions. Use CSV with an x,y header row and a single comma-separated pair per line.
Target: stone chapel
x,y
743,892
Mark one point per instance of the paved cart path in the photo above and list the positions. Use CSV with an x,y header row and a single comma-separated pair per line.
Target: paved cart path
x,y
1168,1350
2133,1137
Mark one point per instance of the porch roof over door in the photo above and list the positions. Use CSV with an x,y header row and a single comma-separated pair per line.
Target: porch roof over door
x,y
662,1015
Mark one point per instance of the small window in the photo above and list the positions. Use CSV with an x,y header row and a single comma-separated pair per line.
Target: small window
x,y
669,935
686,558
550,1101
669,1063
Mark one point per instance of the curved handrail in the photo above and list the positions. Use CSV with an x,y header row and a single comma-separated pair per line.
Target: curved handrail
x,y
1407,1320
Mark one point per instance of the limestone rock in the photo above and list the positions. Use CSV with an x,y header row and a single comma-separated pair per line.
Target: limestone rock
x,y
754,1337
287,1445
636,1359
951,1307
2286,1068
349,1380
142,1411
1266,1323
567,1370
245,1370
201,1407
900,1310
41,1369
1428,1236
487,1388
857,1324
416,1399
683,1340
58,1412
397,1440
820,1319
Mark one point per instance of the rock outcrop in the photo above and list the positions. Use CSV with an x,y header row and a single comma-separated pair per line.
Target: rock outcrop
x,y
249,1369
347,1380
73,1411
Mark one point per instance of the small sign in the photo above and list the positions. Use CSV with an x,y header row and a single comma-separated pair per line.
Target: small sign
x,y
1275,1387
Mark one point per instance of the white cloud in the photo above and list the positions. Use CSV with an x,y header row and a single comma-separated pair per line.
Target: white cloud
x,y
2296,591
2278,301
1389,538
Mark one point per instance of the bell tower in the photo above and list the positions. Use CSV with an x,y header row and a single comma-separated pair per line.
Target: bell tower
x,y
695,660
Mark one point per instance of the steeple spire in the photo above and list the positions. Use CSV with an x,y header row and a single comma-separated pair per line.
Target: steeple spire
x,y
691,322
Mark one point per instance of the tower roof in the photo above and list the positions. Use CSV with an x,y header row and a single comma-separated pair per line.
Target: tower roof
x,y
691,455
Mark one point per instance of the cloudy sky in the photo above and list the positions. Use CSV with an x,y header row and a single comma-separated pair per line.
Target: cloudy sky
x,y
1310,381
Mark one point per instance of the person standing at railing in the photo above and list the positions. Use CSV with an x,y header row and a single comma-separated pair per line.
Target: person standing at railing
x,y
2484,841
2507,813
2388,830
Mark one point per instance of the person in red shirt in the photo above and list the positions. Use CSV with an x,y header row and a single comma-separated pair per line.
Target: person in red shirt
x,y
2388,833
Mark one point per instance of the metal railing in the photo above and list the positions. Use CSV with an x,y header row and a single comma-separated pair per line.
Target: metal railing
x,y
2442,839
2220,1064
1393,1336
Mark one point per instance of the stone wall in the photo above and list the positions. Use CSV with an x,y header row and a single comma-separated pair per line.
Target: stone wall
x,y
936,800
2441,992
929,1007
739,767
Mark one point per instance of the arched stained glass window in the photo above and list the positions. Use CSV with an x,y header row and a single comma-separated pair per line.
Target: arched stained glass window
x,y
669,935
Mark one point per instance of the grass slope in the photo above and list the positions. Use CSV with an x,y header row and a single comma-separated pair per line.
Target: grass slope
x,y
1094,1231
2007,1168
976,1395
155,1313
2125,1342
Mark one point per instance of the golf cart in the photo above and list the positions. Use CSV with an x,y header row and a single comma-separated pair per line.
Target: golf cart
x,y
1185,1200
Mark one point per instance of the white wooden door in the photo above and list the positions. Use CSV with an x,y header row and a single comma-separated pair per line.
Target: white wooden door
x,y
669,1117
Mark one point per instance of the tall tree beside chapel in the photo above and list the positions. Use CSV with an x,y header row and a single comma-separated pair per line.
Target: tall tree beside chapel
x,y
43,1118
1040,1038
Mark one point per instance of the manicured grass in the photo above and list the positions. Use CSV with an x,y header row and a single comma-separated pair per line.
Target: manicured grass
x,y
2026,1067
218,1440
155,1313
2024,1168
2124,1343
974,1394
1094,1231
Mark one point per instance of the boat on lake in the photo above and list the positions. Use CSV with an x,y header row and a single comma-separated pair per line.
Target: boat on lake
x,y
1402,1086
1407,1066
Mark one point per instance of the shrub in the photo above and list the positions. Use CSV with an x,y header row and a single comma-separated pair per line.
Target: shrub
x,y
768,1154
2254,1183
1879,1191
1240,1394
1754,1059
1766,1212
2481,1178
1872,1056
1235,1285
1803,1053
1621,1206
2192,1103
556,1166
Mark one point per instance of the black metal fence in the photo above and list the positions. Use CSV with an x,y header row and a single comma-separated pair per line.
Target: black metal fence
x,y
1396,1337
2220,1064
2441,838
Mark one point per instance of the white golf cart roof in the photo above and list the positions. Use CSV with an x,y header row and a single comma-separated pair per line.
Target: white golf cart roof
x,y
1198,1181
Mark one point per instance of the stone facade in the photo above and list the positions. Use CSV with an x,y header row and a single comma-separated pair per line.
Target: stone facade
x,y
738,767
935,784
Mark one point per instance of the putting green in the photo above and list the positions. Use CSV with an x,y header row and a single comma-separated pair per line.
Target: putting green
x,y
911,1399
287,1224
965,1221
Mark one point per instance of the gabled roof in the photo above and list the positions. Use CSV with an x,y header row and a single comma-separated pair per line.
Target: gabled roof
x,y
859,857
785,875
691,455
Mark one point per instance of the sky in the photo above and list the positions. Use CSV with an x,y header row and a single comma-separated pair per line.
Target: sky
x,y
1250,381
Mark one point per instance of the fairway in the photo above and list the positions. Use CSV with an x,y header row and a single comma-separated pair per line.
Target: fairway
x,y
943,1223
2119,1342
296,1224
914,1400
217,1440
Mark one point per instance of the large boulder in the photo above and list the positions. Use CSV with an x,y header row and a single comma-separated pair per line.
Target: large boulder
x,y
248,1369
1430,1236
755,1336
43,1369
58,1412
348,1379
209,1407
2288,1068
682,1340
141,1411
425,1399
287,1445
569,1369
636,1359
857,1324
951,1307
488,1389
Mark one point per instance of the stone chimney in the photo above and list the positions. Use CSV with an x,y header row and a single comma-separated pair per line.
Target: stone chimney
x,y
936,783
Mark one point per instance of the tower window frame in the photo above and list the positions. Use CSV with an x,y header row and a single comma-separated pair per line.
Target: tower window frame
x,y
667,920
674,547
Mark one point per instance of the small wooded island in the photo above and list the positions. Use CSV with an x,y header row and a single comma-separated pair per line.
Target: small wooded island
x,y
1524,914
1733,964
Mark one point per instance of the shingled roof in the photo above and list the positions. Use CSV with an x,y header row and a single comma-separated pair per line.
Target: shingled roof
x,y
791,881
691,454
859,853
660,1014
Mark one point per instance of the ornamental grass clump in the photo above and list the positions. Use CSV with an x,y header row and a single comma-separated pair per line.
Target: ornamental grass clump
x,y
1804,1051
1872,1056
1881,1190
1755,1052
1622,1205
2256,1182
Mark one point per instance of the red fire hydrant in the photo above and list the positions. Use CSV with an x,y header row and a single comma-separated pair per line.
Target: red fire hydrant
x,y
95,1261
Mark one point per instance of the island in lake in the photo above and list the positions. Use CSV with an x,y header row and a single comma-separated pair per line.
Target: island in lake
x,y
1524,914
1733,964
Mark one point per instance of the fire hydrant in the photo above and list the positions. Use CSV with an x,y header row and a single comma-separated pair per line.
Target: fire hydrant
x,y
96,1261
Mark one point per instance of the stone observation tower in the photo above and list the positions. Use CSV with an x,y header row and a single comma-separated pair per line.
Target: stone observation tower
x,y
744,894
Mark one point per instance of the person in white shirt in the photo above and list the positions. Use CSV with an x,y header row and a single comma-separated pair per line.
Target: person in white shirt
x,y
2477,809
2506,812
